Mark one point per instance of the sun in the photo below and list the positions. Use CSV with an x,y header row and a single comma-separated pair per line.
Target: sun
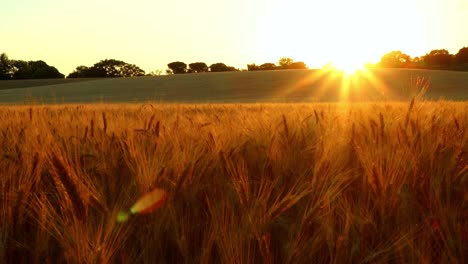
x,y
348,66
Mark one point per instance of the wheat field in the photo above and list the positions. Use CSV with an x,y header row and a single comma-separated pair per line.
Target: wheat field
x,y
246,183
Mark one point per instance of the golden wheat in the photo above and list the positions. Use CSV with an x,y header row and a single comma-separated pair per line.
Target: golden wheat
x,y
254,183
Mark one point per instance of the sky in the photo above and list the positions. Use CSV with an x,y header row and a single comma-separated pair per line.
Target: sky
x,y
153,33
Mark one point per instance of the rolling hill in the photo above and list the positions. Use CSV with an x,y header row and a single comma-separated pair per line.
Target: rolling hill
x,y
259,86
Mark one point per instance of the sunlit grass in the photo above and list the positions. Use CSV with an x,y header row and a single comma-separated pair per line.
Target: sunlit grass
x,y
253,183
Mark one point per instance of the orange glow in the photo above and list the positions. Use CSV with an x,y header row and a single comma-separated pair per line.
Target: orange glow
x,y
348,67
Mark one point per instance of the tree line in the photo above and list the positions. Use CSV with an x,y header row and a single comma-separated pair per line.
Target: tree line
x,y
20,69
439,59
107,68
284,63
179,67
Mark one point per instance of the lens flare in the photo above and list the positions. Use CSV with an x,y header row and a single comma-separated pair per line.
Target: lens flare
x,y
147,204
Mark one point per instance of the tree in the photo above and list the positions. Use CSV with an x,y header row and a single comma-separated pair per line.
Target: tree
x,y
285,63
395,59
117,68
34,70
107,68
88,72
198,67
440,58
267,66
462,56
131,70
47,73
21,69
177,67
253,67
6,69
81,72
221,67
298,65
416,61
110,68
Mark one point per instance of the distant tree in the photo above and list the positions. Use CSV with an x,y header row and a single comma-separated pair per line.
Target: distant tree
x,y
40,70
285,63
221,67
117,68
6,69
47,73
298,65
253,67
198,67
131,70
107,68
267,66
87,72
34,70
462,56
440,59
415,63
395,59
177,67
21,69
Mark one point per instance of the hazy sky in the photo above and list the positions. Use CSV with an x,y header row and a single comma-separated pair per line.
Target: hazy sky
x,y
153,33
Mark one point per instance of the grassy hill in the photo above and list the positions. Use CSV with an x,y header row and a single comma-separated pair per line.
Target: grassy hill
x,y
38,82
261,86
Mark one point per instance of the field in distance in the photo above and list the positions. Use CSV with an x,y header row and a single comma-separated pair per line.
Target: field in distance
x,y
254,183
259,86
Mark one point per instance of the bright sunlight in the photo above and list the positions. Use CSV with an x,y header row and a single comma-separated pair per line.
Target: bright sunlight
x,y
352,60
349,67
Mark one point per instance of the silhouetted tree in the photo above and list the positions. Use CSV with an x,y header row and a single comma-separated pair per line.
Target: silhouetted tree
x,y
285,63
117,68
46,73
21,69
34,70
84,72
461,60
221,67
395,59
440,58
177,67
6,69
462,56
131,70
298,65
253,67
198,67
267,66
417,62
107,68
